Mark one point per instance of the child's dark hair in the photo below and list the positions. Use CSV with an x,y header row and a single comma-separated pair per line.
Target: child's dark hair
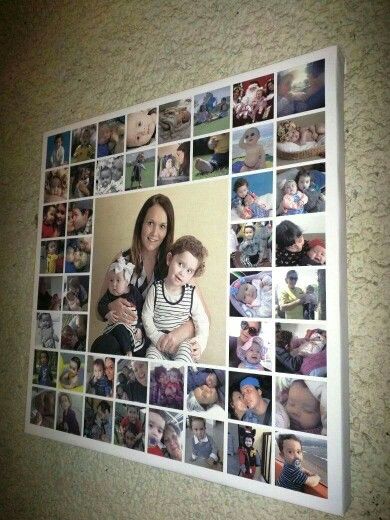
x,y
122,379
158,372
176,371
57,136
302,173
310,288
44,353
239,183
99,362
104,406
161,413
194,246
132,428
283,338
202,419
76,360
286,234
287,437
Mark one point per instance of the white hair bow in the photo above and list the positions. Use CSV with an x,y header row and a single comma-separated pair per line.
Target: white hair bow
x,y
121,265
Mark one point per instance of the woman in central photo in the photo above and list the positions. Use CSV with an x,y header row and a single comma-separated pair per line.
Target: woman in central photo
x,y
150,299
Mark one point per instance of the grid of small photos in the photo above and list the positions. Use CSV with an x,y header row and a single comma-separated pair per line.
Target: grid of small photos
x,y
263,416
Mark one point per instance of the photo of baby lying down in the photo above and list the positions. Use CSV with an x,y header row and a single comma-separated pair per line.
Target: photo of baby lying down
x,y
251,294
206,392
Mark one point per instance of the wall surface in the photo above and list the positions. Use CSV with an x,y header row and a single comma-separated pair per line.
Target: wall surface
x,y
66,61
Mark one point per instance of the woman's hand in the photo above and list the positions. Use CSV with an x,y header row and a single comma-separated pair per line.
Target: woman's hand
x,y
124,310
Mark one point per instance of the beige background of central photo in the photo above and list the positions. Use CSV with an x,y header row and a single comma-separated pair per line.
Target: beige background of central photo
x,y
198,212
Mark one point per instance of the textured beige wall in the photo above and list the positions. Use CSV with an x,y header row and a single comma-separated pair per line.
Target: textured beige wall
x,y
61,62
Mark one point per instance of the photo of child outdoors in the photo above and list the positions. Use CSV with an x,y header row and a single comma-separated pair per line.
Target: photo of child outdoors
x,y
82,180
252,148
140,167
129,428
58,148
45,368
204,443
111,136
98,419
250,244
56,185
166,386
212,111
251,294
211,156
52,256
83,144
253,100
206,392
98,380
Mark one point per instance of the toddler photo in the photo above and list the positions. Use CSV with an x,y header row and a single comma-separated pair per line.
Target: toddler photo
x,y
210,156
58,149
45,368
251,244
52,257
212,111
82,180
48,329
129,428
140,170
98,380
252,148
83,144
204,443
54,220
69,413
173,164
78,255
98,419
251,197
166,386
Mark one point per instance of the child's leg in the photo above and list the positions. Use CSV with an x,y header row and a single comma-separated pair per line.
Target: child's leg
x,y
203,166
184,352
124,338
153,353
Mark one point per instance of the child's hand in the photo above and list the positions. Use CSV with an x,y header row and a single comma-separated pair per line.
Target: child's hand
x,y
166,343
195,350
210,461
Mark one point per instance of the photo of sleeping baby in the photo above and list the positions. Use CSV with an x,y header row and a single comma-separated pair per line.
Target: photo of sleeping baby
x,y
141,128
83,144
42,407
48,329
301,241
174,121
250,344
252,148
51,257
140,170
76,290
301,190
82,180
98,419
204,442
109,175
212,111
100,377
251,197
301,463
251,294
132,380
74,332
300,294
210,156
206,392
78,255
45,368
166,385
69,413
173,164
250,398
58,148
49,293
301,139
250,244
253,100
56,185
111,136
301,89
301,405
249,452
129,427
300,350
71,371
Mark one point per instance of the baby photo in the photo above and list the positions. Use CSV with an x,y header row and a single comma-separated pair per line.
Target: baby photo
x,y
204,442
56,185
206,392
301,464
301,139
251,196
174,121
301,405
80,217
173,164
301,240
140,169
45,368
300,350
301,190
250,398
129,427
111,137
69,413
54,220
250,244
74,332
98,419
301,88
166,385
42,407
212,111
83,144
249,452
251,294
141,128
48,329
252,148
300,295
82,179
49,293
100,377
250,344
253,100
132,380
78,255
165,434
109,175
76,293
52,257
210,157
58,148
71,371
